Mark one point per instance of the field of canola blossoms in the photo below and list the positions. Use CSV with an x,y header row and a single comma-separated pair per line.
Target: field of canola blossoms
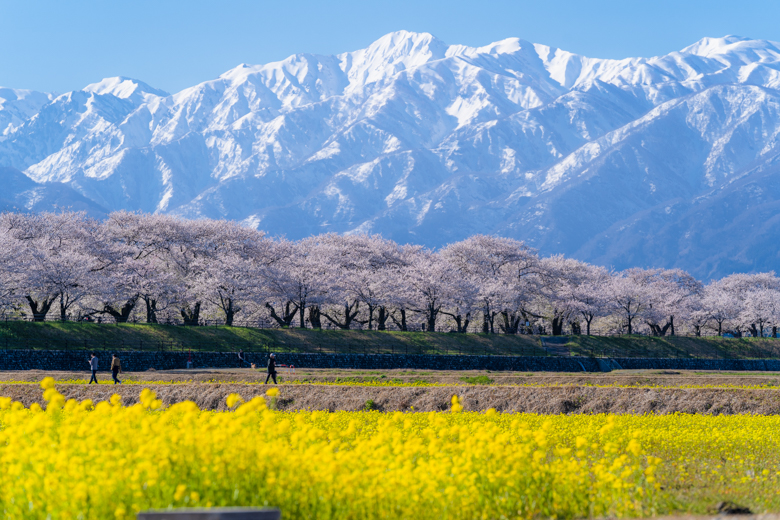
x,y
75,460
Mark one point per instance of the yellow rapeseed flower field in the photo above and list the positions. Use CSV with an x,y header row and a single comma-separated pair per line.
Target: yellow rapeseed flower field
x,y
74,460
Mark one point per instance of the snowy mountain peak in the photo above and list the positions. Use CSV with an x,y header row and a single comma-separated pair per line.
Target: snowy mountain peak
x,y
506,46
710,47
240,72
18,105
638,161
124,88
391,54
407,43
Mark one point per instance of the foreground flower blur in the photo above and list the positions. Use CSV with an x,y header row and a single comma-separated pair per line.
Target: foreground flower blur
x,y
75,460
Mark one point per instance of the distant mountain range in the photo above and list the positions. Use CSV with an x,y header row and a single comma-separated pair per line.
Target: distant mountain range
x,y
665,161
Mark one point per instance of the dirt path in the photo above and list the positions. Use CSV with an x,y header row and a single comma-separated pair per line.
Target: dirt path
x,y
662,378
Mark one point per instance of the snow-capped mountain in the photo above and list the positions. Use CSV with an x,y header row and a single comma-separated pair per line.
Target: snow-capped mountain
x,y
664,161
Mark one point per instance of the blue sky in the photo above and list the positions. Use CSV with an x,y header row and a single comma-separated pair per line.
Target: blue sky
x,y
58,46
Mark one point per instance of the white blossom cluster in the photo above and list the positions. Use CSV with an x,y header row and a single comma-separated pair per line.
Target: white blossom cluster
x,y
160,269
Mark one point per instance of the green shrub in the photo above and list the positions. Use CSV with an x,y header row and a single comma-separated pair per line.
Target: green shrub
x,y
477,380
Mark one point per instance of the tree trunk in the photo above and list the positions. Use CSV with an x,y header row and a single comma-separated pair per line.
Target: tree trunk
x,y
774,331
351,310
461,322
431,317
657,330
287,316
630,328
401,324
228,306
151,310
511,322
653,328
753,330
40,309
315,317
63,308
230,312
575,328
370,317
671,323
486,320
557,325
381,319
191,315
123,314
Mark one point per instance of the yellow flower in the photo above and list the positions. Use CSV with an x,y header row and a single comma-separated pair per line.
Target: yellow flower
x,y
375,465
272,392
180,490
234,399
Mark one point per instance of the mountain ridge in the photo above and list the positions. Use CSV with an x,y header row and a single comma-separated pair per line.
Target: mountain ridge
x,y
428,142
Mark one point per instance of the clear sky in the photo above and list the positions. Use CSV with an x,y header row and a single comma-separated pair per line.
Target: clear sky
x,y
57,45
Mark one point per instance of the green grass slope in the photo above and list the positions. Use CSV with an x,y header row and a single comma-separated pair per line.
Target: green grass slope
x,y
57,335
86,336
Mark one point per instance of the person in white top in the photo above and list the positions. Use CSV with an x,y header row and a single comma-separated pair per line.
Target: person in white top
x,y
93,364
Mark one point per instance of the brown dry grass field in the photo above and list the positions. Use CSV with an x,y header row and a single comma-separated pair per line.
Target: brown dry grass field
x,y
659,392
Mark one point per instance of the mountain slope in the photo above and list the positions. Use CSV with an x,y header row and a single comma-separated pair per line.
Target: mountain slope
x,y
666,161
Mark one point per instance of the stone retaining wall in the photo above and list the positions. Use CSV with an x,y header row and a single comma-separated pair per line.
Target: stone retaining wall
x,y
140,361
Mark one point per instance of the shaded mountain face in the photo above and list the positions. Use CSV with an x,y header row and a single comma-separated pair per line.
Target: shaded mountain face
x,y
670,161
20,193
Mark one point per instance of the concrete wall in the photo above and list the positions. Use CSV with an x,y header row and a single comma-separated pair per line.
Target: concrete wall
x,y
699,364
140,361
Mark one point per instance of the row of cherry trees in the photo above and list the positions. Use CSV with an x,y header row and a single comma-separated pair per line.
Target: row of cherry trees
x,y
158,268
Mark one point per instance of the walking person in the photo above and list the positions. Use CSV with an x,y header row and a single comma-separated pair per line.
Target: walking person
x,y
116,368
271,368
93,365
242,358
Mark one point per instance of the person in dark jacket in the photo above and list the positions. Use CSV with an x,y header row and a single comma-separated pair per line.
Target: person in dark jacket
x,y
242,358
271,368
116,368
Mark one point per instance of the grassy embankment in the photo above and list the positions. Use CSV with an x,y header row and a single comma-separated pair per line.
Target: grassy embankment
x,y
56,335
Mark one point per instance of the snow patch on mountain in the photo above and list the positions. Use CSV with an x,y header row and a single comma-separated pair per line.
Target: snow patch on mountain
x,y
665,161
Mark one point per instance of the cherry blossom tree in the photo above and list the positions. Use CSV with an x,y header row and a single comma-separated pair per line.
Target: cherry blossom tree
x,y
229,277
144,271
629,295
744,289
434,284
214,269
590,297
6,258
296,281
670,293
365,267
719,304
56,259
761,310
488,262
559,279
